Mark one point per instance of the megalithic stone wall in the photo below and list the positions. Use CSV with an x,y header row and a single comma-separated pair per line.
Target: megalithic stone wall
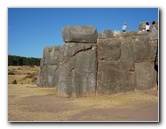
x,y
99,63
72,68
126,62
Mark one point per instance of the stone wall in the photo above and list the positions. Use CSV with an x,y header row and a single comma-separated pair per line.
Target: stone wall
x,y
99,63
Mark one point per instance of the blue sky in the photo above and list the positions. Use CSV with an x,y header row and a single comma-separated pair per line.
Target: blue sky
x,y
31,29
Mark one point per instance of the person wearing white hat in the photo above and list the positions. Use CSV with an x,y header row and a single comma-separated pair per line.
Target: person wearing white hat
x,y
124,28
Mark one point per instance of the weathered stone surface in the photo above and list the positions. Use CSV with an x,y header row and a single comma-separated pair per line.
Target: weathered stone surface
x,y
141,37
117,33
107,34
127,59
77,76
145,75
142,26
141,51
111,79
153,35
50,78
152,52
51,55
101,36
48,65
82,34
41,80
109,49
115,64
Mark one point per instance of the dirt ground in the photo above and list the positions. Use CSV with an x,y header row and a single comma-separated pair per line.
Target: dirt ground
x,y
29,103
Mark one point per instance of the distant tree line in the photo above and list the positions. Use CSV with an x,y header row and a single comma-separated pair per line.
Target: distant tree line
x,y
19,61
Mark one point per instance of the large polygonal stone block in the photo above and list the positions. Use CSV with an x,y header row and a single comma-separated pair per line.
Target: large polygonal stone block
x,y
81,34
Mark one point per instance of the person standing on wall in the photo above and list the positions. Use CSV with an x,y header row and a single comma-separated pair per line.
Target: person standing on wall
x,y
147,27
124,28
153,27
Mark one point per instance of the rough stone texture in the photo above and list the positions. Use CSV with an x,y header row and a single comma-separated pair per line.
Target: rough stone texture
x,y
108,34
145,75
71,68
48,65
142,26
109,49
115,64
114,59
117,33
101,36
82,34
127,59
153,35
111,79
141,51
152,52
77,76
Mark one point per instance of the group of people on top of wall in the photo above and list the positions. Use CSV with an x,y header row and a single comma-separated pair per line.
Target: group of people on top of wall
x,y
149,28
152,27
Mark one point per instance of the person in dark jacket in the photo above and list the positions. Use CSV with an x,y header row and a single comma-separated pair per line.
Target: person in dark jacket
x,y
156,67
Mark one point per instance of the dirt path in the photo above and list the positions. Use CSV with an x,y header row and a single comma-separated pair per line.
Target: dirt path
x,y
30,103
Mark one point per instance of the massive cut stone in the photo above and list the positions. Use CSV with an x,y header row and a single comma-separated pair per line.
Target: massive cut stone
x,y
121,63
127,59
107,34
110,49
117,33
41,79
101,36
51,55
152,52
141,51
111,79
77,72
145,75
153,35
142,26
48,65
81,34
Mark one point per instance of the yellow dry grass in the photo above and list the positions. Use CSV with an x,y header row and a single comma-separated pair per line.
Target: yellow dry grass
x,y
120,100
19,109
20,72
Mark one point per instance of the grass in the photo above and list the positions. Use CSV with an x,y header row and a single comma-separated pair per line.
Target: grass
x,y
29,90
22,74
60,108
121,100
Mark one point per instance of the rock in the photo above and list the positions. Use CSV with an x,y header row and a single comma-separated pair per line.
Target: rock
x,y
109,50
81,34
101,36
152,52
142,26
107,34
115,64
48,65
77,75
140,51
145,75
127,59
41,79
153,35
51,55
111,79
117,33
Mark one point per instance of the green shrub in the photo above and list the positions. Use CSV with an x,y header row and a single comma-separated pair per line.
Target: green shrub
x,y
14,82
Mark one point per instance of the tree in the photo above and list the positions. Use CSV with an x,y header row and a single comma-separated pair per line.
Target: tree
x,y
18,60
